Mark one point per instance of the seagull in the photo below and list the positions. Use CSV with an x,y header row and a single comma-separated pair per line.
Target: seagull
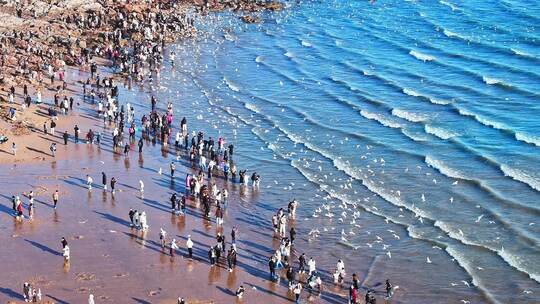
x,y
389,254
451,199
455,183
479,218
428,260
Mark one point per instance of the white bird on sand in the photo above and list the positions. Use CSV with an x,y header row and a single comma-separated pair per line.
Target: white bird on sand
x,y
428,260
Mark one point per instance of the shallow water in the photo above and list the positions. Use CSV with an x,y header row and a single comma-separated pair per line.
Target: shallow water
x,y
420,117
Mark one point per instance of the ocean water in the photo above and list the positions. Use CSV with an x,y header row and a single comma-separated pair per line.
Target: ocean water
x,y
408,131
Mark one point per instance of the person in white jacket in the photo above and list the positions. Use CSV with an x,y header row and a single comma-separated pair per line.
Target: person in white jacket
x,y
189,245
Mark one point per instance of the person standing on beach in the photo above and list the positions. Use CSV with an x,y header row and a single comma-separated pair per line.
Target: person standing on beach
x,y
302,263
66,136
89,181
104,181
113,183
141,186
131,215
173,168
297,290
141,145
189,245
14,148
52,126
63,242
76,133
56,196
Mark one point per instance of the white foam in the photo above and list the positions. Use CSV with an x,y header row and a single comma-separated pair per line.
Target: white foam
x,y
439,101
516,262
381,119
289,55
521,53
493,81
439,132
411,92
413,136
231,85
306,44
410,116
521,176
530,139
251,107
421,56
444,169
450,5
483,120
259,58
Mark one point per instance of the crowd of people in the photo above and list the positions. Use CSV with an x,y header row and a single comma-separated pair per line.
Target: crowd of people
x,y
210,158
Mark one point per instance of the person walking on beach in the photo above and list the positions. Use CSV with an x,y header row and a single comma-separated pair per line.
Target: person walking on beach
x,y
113,184
189,246
14,149
311,265
162,236
173,247
131,214
389,289
53,149
141,145
104,181
55,197
240,292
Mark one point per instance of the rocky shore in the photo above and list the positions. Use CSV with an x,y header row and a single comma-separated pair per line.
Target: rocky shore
x,y
39,40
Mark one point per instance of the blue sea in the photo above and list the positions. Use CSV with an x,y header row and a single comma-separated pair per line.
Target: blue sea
x,y
407,130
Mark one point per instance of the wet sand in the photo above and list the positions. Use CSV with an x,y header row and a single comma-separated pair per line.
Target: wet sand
x,y
108,258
